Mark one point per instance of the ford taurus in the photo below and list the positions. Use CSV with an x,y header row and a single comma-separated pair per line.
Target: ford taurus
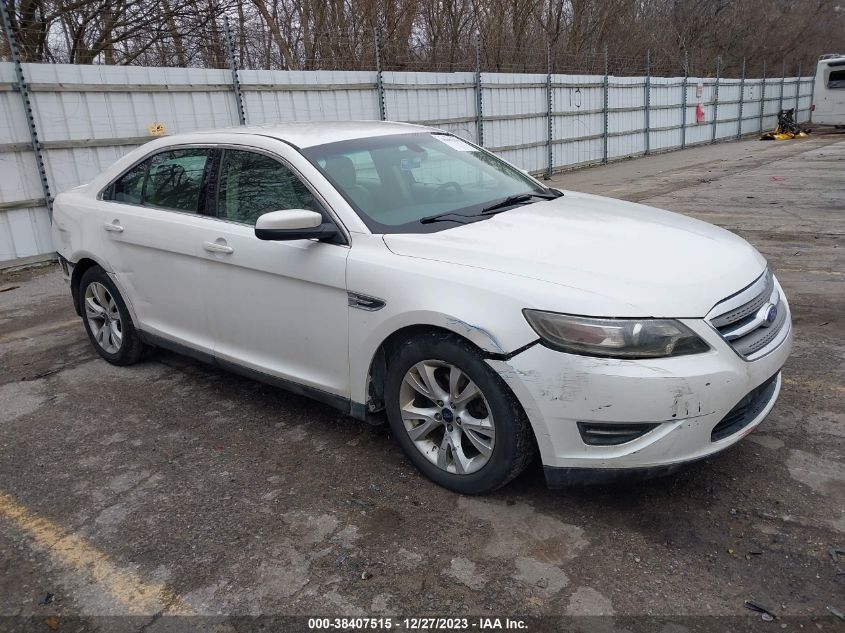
x,y
395,270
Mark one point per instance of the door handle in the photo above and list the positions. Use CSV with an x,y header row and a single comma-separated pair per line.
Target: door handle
x,y
113,226
217,247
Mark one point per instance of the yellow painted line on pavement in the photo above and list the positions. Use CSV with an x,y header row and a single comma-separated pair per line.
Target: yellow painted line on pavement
x,y
835,273
815,384
38,330
132,594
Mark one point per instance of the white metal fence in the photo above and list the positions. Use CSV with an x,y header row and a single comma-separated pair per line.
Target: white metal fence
x,y
88,116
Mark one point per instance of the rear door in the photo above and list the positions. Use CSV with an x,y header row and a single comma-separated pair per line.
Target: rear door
x,y
153,224
280,308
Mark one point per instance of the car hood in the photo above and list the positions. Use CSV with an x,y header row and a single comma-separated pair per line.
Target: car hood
x,y
642,261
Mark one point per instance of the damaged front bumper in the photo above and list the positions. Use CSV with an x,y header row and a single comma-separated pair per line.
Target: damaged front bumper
x,y
663,412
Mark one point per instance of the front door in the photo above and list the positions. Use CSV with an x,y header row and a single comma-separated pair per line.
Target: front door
x,y
280,308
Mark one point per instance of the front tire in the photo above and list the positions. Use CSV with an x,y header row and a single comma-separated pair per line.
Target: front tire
x,y
454,417
107,320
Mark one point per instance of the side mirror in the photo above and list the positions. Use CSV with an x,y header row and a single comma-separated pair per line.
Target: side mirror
x,y
293,224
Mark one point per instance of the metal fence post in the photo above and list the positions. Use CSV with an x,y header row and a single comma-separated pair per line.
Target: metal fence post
x,y
763,97
782,82
798,94
716,100
382,110
812,99
23,89
479,102
549,110
647,102
233,66
684,103
741,102
605,110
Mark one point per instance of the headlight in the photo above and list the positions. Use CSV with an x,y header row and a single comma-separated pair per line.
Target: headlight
x,y
615,338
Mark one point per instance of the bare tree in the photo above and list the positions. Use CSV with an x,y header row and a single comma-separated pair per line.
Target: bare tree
x,y
432,34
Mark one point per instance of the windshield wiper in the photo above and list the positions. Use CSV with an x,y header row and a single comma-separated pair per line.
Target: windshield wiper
x,y
445,217
510,201
519,199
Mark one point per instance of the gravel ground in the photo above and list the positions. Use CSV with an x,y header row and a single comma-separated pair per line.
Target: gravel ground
x,y
173,488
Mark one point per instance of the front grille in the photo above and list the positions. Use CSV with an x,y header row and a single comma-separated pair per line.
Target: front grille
x,y
743,413
611,434
752,318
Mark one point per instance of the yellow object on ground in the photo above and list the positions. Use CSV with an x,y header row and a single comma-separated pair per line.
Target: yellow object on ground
x,y
785,129
781,136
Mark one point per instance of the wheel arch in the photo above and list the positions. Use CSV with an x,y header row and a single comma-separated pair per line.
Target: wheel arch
x,y
525,440
83,263
377,367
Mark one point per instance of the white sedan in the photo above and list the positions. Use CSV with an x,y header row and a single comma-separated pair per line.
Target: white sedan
x,y
392,269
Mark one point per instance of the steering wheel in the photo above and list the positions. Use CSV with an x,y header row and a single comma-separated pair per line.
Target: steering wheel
x,y
446,186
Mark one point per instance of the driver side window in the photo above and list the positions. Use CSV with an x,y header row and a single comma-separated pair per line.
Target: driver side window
x,y
252,184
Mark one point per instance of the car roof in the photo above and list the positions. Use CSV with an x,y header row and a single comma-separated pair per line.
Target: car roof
x,y
314,133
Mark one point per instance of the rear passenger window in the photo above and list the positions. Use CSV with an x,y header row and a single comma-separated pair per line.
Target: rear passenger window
x,y
175,180
170,180
130,186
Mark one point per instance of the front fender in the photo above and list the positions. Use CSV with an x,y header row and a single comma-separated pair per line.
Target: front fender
x,y
480,305
368,332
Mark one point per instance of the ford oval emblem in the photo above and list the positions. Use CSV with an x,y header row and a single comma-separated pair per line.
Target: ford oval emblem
x,y
771,314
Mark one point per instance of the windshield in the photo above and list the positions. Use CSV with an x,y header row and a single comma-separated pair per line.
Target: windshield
x,y
419,183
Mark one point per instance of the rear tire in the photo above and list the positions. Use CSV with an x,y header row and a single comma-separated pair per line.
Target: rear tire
x,y
107,319
454,416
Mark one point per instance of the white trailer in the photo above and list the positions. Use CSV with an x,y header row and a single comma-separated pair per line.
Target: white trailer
x,y
829,93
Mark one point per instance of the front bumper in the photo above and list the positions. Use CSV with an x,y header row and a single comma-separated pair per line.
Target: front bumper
x,y
686,396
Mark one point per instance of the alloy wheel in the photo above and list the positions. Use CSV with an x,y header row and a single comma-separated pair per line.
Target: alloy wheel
x,y
447,417
103,317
